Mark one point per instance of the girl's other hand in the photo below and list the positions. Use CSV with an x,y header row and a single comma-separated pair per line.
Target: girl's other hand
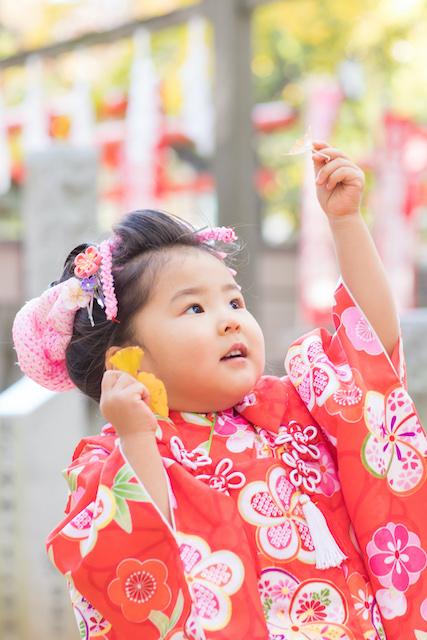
x,y
125,403
339,182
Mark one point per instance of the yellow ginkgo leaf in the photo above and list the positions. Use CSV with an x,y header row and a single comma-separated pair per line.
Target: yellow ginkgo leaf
x,y
420,635
128,359
305,144
159,400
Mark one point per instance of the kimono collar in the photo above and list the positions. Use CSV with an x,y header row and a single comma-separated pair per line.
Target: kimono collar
x,y
266,404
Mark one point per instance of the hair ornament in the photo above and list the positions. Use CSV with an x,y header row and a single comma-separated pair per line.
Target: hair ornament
x,y
74,296
83,291
220,234
42,331
87,263
43,328
107,281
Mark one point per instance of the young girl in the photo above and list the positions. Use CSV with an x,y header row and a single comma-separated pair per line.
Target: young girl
x,y
259,507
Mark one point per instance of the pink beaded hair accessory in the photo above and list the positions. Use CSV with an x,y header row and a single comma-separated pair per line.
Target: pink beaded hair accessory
x,y
107,281
220,234
43,328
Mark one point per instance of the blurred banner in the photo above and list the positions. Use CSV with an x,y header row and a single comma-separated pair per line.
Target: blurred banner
x,y
318,273
395,201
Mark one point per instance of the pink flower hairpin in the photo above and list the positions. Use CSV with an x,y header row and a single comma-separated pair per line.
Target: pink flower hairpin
x,y
220,234
107,280
87,263
93,269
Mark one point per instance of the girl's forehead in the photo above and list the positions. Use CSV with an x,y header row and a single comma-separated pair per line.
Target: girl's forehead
x,y
191,266
193,261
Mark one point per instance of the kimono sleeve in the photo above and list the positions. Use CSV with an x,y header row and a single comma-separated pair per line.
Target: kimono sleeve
x,y
358,396
117,551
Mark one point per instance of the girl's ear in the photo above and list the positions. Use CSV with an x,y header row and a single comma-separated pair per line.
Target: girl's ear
x,y
110,352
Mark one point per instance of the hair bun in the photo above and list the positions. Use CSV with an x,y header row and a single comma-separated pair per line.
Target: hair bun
x,y
42,331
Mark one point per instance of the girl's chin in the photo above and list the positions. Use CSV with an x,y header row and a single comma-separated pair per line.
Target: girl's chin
x,y
219,403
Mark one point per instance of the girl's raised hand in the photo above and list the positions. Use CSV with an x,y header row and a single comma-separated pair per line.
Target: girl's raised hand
x,y
125,403
339,182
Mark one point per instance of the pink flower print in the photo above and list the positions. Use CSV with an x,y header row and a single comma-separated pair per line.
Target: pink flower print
x,y
225,427
240,441
312,373
265,588
229,423
90,622
396,557
360,332
282,533
392,603
316,610
423,609
396,446
276,589
283,590
98,625
211,579
329,480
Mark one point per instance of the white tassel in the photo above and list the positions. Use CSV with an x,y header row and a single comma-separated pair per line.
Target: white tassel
x,y
328,553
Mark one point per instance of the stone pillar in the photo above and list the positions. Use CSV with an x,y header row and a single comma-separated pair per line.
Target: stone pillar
x,y
59,211
39,430
234,164
414,332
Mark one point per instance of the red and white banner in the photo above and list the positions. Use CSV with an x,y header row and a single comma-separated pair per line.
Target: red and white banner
x,y
317,270
395,201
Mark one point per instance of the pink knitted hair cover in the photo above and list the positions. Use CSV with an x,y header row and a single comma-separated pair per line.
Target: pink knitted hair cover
x,y
42,331
43,328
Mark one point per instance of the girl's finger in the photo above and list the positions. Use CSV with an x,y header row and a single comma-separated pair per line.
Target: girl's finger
x,y
109,379
328,169
115,379
343,174
320,144
331,153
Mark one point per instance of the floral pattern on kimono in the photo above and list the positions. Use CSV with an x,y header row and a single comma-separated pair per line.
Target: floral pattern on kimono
x,y
238,560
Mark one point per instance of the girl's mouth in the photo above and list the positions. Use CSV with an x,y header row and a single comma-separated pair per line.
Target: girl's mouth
x,y
236,351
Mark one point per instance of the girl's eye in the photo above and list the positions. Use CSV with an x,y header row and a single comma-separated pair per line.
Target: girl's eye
x,y
237,303
194,308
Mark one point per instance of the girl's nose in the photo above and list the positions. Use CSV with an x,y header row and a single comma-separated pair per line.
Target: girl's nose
x,y
229,325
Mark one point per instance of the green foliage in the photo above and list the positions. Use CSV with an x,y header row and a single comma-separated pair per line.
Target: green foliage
x,y
267,604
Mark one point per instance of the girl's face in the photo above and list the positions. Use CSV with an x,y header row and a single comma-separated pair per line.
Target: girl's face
x,y
197,335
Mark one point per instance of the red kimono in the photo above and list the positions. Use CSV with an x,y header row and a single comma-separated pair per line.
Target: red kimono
x,y
239,561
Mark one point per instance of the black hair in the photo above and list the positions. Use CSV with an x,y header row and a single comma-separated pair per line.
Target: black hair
x,y
142,243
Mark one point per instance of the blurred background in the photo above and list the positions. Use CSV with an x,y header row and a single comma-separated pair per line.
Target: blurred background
x,y
112,105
